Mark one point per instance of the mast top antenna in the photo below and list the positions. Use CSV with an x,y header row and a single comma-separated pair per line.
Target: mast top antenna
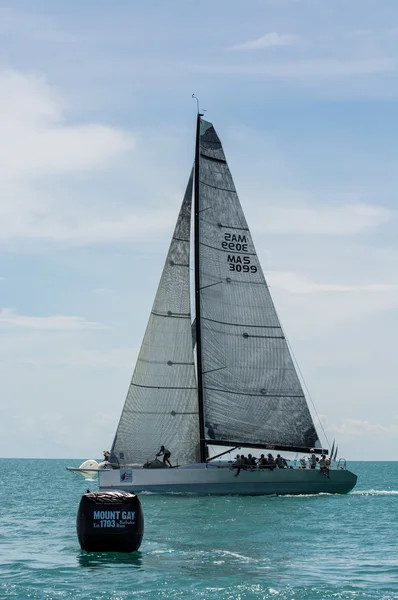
x,y
200,113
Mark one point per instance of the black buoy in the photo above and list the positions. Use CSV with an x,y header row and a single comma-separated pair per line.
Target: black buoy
x,y
110,522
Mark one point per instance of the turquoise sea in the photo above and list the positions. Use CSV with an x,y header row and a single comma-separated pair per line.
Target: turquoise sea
x,y
229,548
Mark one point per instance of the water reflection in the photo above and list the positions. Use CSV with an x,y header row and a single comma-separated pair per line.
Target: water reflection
x,y
95,560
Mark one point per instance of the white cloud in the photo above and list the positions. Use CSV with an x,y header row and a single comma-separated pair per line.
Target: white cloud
x,y
10,318
41,158
304,69
358,427
44,197
266,41
34,150
76,184
74,225
30,26
82,432
362,439
35,138
320,220
312,309
77,356
299,284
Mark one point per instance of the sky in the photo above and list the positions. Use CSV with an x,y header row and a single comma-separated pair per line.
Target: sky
x,y
97,141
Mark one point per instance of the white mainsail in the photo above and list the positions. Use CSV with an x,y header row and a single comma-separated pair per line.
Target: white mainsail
x,y
251,391
161,407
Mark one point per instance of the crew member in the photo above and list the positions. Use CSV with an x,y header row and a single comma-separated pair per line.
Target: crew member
x,y
166,455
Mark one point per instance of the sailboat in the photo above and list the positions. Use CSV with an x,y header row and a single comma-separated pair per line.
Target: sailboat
x,y
214,369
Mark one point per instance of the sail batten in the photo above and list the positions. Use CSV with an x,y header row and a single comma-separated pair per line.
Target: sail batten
x,y
244,324
174,316
161,387
259,395
216,187
213,158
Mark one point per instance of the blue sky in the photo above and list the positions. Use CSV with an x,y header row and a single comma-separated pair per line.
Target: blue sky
x,y
97,143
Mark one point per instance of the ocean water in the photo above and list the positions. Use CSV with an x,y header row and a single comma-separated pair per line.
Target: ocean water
x,y
216,548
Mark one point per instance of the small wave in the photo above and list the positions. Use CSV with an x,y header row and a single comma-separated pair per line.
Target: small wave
x,y
160,493
374,493
236,555
353,493
301,495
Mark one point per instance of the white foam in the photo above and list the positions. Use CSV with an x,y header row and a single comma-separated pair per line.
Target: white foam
x,y
374,493
236,555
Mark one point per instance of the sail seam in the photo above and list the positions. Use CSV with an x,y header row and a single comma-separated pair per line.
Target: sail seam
x,y
213,370
179,363
174,264
162,362
218,188
214,142
178,316
204,287
242,325
160,387
270,337
256,395
154,412
232,227
180,239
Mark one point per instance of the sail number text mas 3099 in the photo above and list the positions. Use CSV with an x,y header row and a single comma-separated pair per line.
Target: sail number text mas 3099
x,y
238,243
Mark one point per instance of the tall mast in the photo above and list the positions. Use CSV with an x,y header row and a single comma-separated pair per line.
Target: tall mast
x,y
197,297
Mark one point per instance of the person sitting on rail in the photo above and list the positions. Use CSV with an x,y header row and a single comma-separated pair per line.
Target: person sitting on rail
x,y
262,462
270,462
324,466
280,462
303,462
252,462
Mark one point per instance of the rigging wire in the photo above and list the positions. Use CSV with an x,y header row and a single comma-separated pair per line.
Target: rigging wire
x,y
302,377
308,391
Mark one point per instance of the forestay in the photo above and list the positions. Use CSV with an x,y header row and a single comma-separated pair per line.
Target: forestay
x,y
251,392
161,405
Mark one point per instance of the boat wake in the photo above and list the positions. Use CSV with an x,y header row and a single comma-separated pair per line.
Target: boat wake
x,y
353,493
302,495
374,493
